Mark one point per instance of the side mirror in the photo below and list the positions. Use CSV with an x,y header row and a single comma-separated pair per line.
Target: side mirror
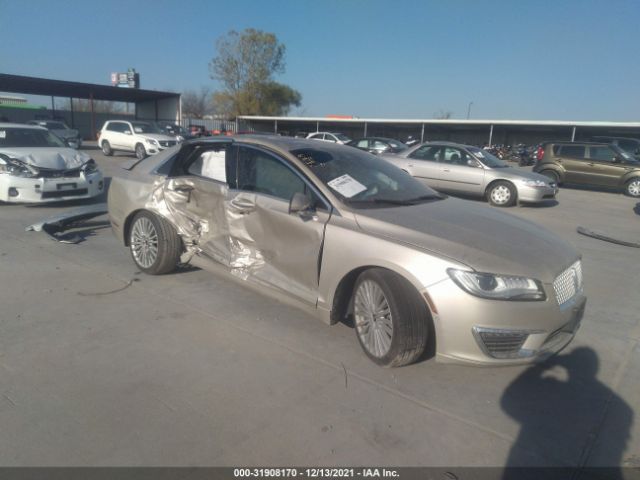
x,y
617,159
299,203
72,143
127,132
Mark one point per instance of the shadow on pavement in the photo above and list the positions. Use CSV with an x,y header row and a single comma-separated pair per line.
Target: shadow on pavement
x,y
563,409
637,208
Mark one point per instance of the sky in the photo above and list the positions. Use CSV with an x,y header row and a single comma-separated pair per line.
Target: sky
x,y
514,59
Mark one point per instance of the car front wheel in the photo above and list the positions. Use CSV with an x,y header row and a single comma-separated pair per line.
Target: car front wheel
x,y
154,243
391,319
502,194
632,187
141,153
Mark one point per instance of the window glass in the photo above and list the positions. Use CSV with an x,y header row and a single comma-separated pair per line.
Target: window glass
x,y
603,153
628,145
378,145
260,172
454,156
363,144
210,164
114,127
574,151
426,152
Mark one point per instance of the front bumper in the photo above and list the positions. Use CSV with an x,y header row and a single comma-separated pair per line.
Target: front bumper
x,y
153,149
536,194
542,327
43,190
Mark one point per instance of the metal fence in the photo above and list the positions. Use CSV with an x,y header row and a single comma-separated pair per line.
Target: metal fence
x,y
210,124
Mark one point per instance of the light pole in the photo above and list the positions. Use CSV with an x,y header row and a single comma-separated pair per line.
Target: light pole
x,y
469,110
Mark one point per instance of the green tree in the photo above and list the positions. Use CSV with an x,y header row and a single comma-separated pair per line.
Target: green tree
x,y
245,65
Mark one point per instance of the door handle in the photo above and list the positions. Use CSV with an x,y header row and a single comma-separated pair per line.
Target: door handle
x,y
243,205
590,164
446,170
183,188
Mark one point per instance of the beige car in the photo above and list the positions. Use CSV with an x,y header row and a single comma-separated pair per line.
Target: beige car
x,y
349,237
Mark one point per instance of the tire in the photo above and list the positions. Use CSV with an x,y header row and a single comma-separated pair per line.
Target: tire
x,y
154,243
632,187
403,331
502,194
141,153
551,175
106,148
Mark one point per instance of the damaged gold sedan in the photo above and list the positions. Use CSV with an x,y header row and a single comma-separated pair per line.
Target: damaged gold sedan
x,y
350,237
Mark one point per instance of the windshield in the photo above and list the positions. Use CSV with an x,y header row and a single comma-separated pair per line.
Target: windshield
x,y
487,159
362,180
56,126
624,154
144,127
28,137
397,145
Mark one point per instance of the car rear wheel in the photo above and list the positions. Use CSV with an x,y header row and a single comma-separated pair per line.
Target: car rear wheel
x,y
106,148
391,319
141,153
502,194
632,188
551,175
154,243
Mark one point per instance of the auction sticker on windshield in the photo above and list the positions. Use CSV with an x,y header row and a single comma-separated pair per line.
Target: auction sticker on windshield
x,y
346,186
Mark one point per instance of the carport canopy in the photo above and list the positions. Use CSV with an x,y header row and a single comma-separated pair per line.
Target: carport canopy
x,y
150,104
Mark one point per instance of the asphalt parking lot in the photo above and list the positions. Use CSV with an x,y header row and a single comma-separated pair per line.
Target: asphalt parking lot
x,y
102,365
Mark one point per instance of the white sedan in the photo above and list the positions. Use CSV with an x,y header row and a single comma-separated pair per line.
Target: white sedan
x,y
340,138
36,166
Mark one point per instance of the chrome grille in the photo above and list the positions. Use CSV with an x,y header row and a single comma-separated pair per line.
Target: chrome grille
x,y
167,143
568,284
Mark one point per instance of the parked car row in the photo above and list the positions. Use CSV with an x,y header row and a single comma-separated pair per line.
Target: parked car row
x,y
484,172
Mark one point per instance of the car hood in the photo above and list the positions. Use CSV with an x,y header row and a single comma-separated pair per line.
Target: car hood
x,y
478,236
157,136
54,158
517,174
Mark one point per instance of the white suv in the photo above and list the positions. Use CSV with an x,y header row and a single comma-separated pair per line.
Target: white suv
x,y
142,138
329,137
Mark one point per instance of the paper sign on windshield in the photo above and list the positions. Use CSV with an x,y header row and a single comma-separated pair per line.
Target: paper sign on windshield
x,y
346,186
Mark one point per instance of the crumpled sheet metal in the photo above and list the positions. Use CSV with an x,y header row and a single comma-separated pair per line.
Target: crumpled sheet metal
x,y
226,240
55,225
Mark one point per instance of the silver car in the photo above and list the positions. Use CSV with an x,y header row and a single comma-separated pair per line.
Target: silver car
x,y
464,169
348,237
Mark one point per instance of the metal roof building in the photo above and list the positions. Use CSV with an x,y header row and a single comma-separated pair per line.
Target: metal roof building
x,y
467,131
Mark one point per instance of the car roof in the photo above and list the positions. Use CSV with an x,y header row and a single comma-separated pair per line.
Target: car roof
x,y
20,125
568,142
452,144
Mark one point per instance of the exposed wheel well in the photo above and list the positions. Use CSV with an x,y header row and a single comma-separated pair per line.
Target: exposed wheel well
x,y
127,225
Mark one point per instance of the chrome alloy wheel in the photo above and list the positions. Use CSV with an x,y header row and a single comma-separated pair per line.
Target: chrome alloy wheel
x,y
373,318
144,242
500,195
633,188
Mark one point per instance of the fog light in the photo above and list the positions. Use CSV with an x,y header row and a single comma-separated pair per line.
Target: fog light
x,y
501,343
100,185
13,192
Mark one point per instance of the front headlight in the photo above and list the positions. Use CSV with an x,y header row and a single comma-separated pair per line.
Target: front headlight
x,y
17,168
90,167
151,141
497,287
535,183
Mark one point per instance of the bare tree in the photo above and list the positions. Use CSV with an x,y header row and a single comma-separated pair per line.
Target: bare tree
x,y
197,104
443,114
